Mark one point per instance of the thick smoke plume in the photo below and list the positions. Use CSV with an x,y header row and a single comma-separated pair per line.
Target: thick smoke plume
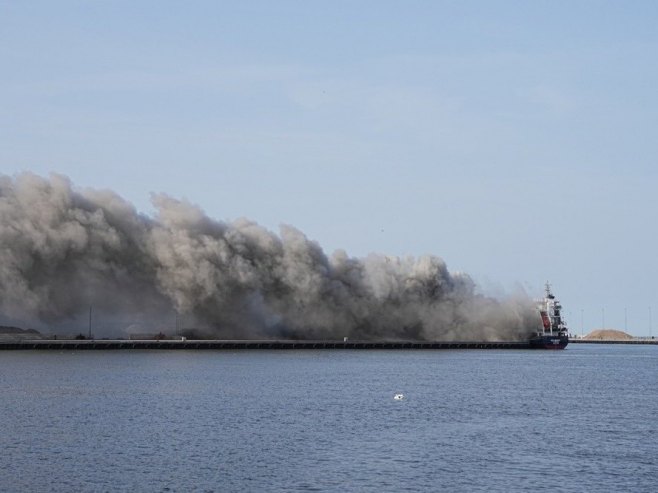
x,y
64,250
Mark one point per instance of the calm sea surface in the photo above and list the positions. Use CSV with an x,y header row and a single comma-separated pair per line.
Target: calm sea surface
x,y
583,419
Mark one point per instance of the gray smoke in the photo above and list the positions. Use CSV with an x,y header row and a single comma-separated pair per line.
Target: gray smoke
x,y
63,250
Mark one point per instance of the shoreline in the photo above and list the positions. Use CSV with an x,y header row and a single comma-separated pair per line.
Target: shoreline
x,y
170,344
614,341
217,344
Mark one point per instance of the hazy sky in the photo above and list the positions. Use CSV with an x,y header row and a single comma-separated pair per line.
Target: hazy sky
x,y
517,140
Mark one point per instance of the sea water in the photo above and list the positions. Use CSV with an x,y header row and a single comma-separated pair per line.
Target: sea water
x,y
582,419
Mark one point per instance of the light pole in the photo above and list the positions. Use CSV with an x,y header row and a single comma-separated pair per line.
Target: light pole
x,y
650,323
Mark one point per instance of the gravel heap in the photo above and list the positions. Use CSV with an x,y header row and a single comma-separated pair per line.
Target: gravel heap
x,y
608,335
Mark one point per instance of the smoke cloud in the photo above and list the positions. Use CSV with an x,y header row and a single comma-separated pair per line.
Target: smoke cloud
x,y
64,250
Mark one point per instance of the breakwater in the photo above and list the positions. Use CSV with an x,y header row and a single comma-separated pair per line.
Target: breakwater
x,y
172,344
112,344
618,341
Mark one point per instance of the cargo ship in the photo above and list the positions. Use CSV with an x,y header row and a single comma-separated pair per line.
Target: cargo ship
x,y
553,333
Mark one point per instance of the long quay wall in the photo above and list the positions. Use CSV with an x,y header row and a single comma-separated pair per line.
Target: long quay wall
x,y
614,341
249,344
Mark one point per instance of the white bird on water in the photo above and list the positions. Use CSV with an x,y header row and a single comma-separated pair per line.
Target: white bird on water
x,y
398,397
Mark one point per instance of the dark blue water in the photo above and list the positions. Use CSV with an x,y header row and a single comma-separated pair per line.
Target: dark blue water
x,y
583,419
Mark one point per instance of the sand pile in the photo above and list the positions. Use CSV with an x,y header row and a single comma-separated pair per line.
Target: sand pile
x,y
608,335
17,334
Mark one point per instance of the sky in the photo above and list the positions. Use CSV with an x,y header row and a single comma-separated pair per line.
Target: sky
x,y
516,140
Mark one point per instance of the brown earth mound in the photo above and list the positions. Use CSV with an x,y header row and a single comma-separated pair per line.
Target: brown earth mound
x,y
4,329
608,335
17,334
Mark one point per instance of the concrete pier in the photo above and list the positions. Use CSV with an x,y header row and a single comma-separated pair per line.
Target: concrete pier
x,y
618,341
104,344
